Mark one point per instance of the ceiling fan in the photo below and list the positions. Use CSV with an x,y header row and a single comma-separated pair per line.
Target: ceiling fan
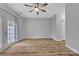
x,y
37,7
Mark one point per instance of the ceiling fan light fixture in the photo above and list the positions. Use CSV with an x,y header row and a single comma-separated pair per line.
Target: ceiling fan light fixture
x,y
36,9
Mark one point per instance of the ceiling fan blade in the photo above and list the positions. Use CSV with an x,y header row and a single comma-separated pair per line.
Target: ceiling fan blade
x,y
43,10
30,11
45,4
37,4
37,13
28,5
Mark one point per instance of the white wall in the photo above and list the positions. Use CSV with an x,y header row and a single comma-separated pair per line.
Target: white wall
x,y
20,27
0,32
37,27
53,27
43,27
72,26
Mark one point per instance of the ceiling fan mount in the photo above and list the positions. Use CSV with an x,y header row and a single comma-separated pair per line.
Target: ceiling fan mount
x,y
37,7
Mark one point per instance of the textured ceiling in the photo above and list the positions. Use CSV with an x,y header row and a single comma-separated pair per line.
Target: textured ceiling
x,y
51,9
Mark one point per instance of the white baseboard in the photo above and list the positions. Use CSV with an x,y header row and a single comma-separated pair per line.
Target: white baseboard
x,y
44,37
56,39
37,37
71,48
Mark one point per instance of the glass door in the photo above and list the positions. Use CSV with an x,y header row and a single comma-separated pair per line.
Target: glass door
x,y
11,31
8,29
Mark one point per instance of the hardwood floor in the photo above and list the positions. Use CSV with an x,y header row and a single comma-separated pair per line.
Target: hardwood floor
x,y
38,47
